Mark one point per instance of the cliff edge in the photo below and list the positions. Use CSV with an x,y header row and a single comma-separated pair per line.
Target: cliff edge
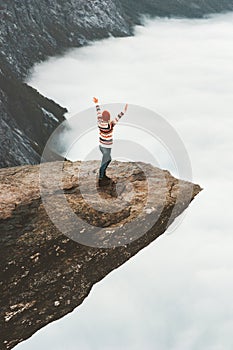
x,y
45,273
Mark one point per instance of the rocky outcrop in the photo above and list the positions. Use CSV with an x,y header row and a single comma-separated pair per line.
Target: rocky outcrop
x,y
27,120
35,29
45,273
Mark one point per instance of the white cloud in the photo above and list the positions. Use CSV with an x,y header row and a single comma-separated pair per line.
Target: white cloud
x,y
176,293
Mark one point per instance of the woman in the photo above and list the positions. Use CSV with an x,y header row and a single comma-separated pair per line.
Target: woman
x,y
106,125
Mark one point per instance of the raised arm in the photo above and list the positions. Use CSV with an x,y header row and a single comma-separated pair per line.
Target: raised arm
x,y
118,117
98,110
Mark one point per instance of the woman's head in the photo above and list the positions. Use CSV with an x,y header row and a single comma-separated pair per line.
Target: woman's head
x,y
106,116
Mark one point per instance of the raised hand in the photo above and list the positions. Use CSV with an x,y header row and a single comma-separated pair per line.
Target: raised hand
x,y
125,108
95,100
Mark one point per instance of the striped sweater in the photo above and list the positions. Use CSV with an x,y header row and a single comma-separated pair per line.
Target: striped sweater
x,y
106,128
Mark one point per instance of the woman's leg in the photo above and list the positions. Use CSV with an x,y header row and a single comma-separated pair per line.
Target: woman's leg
x,y
106,159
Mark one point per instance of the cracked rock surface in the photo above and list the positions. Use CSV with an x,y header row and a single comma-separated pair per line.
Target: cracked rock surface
x,y
45,273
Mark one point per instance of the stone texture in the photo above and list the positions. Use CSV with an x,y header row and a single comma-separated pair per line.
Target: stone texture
x,y
46,274
27,119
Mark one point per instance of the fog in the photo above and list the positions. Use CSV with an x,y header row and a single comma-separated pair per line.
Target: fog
x,y
176,294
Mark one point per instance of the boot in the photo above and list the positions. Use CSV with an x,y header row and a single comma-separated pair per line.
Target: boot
x,y
103,182
107,178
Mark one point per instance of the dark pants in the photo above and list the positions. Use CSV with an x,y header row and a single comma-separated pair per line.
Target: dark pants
x,y
106,159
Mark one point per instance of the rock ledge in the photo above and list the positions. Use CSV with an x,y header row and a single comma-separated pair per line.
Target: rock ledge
x,y
46,274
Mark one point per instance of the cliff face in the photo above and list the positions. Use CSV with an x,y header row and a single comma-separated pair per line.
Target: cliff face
x,y
32,30
27,120
44,273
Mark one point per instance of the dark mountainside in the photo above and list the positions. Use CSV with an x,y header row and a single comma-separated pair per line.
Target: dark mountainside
x,y
27,120
32,30
45,274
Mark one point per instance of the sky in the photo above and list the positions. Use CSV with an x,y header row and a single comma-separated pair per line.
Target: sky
x,y
175,294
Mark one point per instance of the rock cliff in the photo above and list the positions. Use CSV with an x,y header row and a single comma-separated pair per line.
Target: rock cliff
x,y
45,273
32,30
27,120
